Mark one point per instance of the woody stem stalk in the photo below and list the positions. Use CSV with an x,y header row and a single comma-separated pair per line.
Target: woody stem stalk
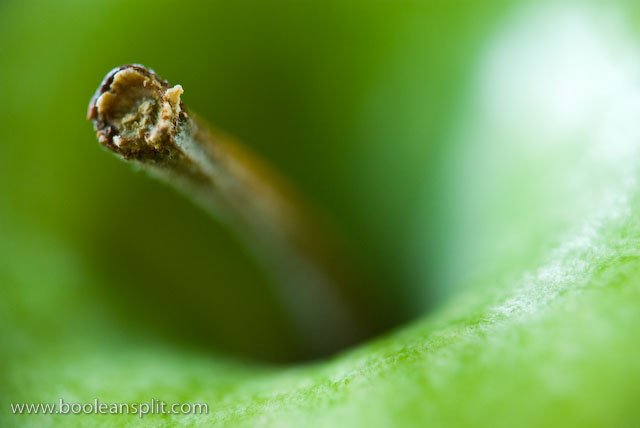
x,y
142,119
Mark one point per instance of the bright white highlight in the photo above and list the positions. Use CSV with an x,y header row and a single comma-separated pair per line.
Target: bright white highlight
x,y
554,144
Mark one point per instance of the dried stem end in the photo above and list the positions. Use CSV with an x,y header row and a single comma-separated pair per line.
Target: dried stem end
x,y
137,115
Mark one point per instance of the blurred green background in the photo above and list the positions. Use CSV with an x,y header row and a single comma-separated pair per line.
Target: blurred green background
x,y
352,101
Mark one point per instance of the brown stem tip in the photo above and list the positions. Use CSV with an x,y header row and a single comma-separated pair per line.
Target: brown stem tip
x,y
136,113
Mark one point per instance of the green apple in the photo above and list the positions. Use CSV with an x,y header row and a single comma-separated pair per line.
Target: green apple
x,y
483,160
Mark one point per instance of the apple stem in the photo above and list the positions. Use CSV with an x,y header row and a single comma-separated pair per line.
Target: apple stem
x,y
141,118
